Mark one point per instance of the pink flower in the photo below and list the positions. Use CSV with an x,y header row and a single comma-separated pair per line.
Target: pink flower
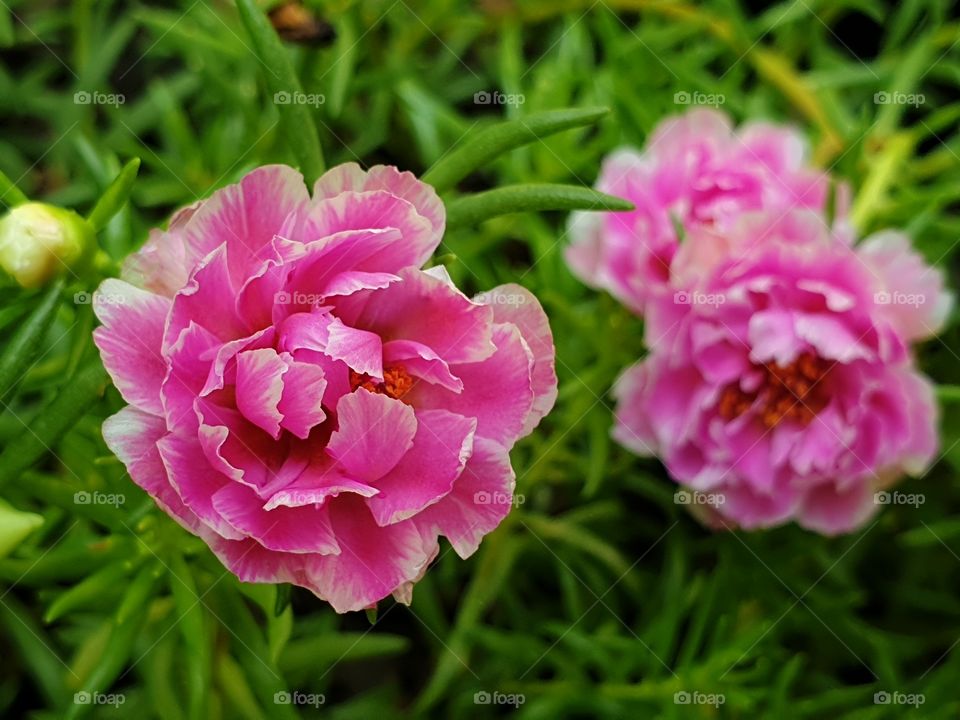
x,y
305,398
696,171
780,384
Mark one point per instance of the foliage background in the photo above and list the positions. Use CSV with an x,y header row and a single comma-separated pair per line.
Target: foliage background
x,y
598,597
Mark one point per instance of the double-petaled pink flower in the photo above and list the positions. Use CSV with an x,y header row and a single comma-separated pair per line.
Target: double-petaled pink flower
x,y
308,400
780,383
696,171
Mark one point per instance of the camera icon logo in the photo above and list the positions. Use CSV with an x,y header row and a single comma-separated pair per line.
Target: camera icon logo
x,y
281,98
681,98
481,697
482,98
281,697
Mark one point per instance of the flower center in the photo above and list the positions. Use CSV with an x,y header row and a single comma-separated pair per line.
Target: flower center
x,y
396,382
787,391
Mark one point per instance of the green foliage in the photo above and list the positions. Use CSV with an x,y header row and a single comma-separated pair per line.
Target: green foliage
x,y
599,597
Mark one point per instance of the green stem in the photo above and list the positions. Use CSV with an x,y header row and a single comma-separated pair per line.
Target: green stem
x,y
474,209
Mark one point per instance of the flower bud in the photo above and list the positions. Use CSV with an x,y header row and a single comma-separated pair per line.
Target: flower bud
x,y
39,241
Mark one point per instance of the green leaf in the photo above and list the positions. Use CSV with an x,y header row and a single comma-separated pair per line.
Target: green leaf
x,y
114,196
473,209
10,194
70,404
7,36
123,631
192,625
33,648
296,123
21,351
487,144
87,592
283,598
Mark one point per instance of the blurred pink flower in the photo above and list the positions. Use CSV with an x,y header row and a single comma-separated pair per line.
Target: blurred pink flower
x,y
695,171
306,399
780,384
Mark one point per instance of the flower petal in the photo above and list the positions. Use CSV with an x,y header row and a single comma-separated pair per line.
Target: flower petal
x,y
130,341
427,472
374,432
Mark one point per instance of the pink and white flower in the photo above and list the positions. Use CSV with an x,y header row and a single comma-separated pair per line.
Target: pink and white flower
x,y
307,399
696,171
780,381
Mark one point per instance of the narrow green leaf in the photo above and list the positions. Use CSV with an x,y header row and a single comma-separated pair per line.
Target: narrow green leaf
x,y
494,141
7,36
114,196
948,393
296,123
283,598
192,625
239,696
10,194
70,404
22,348
86,592
33,649
279,628
123,632
345,60
473,209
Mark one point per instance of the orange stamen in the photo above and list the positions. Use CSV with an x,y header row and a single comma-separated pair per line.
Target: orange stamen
x,y
396,382
787,391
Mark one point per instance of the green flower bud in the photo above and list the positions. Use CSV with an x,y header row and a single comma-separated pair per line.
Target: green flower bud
x,y
15,526
39,241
